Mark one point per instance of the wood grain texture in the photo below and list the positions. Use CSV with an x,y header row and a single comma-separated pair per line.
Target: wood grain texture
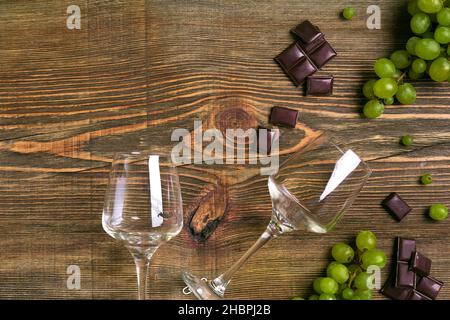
x,y
138,69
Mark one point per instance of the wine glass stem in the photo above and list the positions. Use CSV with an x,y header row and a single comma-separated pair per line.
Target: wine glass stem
x,y
142,260
220,283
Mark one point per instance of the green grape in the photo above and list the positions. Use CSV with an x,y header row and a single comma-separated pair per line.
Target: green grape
x,y
348,13
389,101
338,272
401,59
438,212
373,257
413,75
326,296
363,280
384,68
366,240
397,74
411,45
364,294
316,285
412,7
426,179
443,17
428,35
368,89
439,70
328,285
373,109
428,49
406,94
342,253
385,88
430,6
313,297
407,140
420,23
419,66
442,35
348,294
297,298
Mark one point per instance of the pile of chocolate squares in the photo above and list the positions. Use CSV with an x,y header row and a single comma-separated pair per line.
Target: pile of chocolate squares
x,y
411,279
306,56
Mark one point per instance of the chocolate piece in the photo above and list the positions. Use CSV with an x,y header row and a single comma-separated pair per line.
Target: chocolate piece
x,y
395,293
420,264
405,248
396,206
307,32
429,286
405,277
319,85
296,64
265,139
310,47
415,295
322,55
284,116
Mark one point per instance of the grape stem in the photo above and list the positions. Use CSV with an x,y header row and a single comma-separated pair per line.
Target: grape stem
x,y
400,79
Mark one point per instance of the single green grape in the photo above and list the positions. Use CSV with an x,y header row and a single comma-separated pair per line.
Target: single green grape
x,y
316,285
348,13
373,109
389,101
368,89
297,298
373,257
426,179
384,68
413,7
442,35
401,59
411,45
406,94
364,294
342,253
430,6
438,212
338,272
348,294
327,296
420,23
443,17
419,66
313,297
366,240
428,49
363,280
385,88
328,285
439,70
407,140
413,75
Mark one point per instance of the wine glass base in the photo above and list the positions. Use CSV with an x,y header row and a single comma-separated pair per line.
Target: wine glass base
x,y
201,289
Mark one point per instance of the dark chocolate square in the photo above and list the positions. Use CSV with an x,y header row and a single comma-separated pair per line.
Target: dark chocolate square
x,y
310,47
284,117
302,70
319,85
415,295
322,55
290,56
420,264
396,206
306,32
391,291
405,249
405,276
429,286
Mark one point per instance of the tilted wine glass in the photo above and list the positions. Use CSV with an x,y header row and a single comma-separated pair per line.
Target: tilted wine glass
x,y
143,207
311,191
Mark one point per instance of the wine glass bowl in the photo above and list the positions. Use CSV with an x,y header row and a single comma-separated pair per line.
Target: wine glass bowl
x,y
143,206
311,191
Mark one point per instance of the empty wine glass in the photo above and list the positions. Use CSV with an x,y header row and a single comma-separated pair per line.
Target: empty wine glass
x,y
311,191
143,207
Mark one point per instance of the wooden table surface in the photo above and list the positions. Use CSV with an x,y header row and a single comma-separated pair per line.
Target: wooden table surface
x,y
138,69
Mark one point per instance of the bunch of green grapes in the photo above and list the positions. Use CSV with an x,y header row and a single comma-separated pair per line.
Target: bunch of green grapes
x,y
426,54
346,276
